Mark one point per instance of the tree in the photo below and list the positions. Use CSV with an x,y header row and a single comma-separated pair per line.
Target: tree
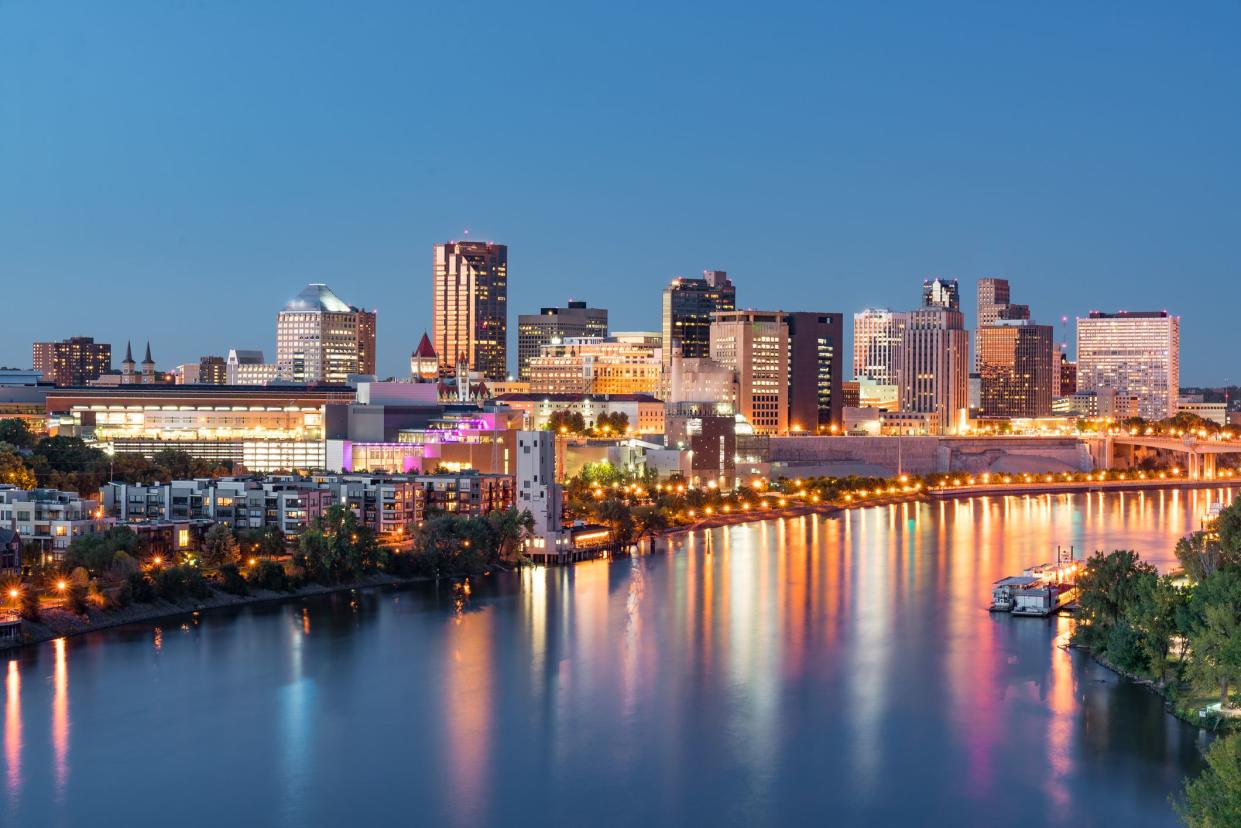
x,y
565,421
30,603
337,545
13,468
16,433
1107,588
97,552
219,547
1213,800
512,528
1215,639
615,514
1156,616
650,521
1199,554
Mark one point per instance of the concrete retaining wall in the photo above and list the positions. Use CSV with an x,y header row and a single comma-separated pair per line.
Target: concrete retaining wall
x,y
841,456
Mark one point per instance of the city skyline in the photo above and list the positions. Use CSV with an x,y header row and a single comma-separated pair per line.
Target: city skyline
x,y
121,180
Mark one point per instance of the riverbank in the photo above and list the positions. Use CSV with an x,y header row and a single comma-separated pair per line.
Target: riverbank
x,y
941,494
57,622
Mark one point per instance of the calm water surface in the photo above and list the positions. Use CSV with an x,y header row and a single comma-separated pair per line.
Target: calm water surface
x,y
829,670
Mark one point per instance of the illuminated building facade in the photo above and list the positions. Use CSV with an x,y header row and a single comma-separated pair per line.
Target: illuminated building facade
x,y
263,428
470,313
1134,354
212,370
551,326
627,363
754,345
1017,370
319,338
644,412
941,293
687,308
994,306
877,338
75,361
935,366
49,519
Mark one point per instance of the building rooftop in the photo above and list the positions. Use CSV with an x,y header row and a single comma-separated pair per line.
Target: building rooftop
x,y
647,398
317,297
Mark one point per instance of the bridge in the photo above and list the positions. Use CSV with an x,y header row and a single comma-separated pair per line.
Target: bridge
x,y
1200,455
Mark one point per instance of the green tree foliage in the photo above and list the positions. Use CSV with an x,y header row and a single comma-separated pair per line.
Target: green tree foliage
x,y
30,603
336,546
1213,800
75,597
612,423
1157,617
219,547
1200,555
649,521
1215,639
268,542
616,514
269,575
13,469
566,422
1108,586
16,433
511,529
96,553
232,581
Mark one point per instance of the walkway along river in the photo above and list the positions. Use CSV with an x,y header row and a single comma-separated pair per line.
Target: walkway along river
x,y
817,668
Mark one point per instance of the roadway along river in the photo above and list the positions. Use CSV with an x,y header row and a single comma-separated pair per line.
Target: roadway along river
x,y
813,670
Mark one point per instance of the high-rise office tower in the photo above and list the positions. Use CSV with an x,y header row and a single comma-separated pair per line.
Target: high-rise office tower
x,y
816,357
553,325
935,366
321,339
994,306
471,307
1134,354
74,361
687,308
1018,372
941,293
755,345
877,337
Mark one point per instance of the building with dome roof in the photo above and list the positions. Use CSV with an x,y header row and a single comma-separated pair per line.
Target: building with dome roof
x,y
319,338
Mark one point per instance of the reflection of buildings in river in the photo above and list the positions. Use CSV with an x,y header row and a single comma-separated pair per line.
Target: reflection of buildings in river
x,y
13,730
60,716
466,711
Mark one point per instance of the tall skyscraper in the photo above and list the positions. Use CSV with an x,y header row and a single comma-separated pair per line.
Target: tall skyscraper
x,y
1018,372
321,339
553,325
471,307
1132,353
877,337
687,308
935,366
816,358
75,361
941,293
755,345
994,306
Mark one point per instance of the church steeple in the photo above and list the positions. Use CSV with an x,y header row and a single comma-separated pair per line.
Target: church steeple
x,y
127,364
148,366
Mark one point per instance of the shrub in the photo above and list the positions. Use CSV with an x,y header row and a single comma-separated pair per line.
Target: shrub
x,y
141,588
231,580
270,575
196,584
30,603
75,598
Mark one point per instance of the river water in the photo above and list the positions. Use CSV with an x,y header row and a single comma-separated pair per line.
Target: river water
x,y
836,670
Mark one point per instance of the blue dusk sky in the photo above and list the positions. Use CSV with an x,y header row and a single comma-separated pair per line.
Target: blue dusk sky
x,y
178,169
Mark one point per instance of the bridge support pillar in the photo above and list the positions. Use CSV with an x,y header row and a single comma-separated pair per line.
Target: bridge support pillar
x,y
1208,466
1192,466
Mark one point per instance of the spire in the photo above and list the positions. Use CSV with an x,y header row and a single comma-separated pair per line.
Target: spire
x,y
129,352
147,359
425,349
